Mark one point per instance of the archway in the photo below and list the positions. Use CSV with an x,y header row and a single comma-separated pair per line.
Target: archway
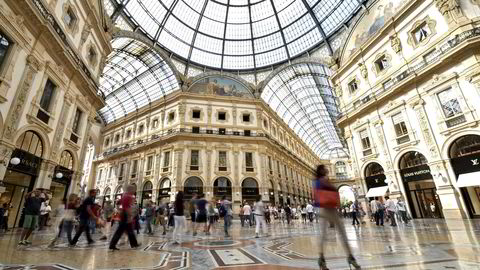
x,y
271,193
62,178
347,196
280,195
222,187
419,186
19,179
341,170
106,196
164,191
464,154
193,185
249,190
146,193
375,180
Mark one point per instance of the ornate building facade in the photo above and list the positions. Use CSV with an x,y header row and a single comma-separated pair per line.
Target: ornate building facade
x,y
407,79
51,57
215,138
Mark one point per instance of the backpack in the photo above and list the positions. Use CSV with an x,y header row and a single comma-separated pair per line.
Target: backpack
x,y
222,210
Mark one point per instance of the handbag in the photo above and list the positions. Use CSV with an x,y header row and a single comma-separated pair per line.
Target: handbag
x,y
327,198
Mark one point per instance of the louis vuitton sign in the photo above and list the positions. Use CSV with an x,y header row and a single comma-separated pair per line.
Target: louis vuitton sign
x,y
466,164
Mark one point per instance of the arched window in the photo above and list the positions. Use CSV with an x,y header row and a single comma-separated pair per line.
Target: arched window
x,y
107,192
222,182
148,186
250,183
66,160
341,169
193,182
465,145
30,142
373,169
412,159
166,183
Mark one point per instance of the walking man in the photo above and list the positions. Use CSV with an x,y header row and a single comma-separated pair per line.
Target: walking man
x,y
227,218
127,220
391,208
402,210
354,210
33,203
247,211
86,213
373,208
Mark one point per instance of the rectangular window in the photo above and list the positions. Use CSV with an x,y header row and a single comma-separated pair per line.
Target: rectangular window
x,y
246,117
353,86
110,172
129,133
99,176
117,138
222,160
5,45
400,127
69,18
249,161
195,129
451,108
222,116
171,116
155,123
134,168
196,114
166,161
367,150
121,172
421,32
382,63
76,120
247,132
47,95
270,164
140,129
194,160
221,131
278,169
149,165
285,170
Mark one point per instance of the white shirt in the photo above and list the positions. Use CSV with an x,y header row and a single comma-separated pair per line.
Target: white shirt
x,y
373,206
401,206
259,209
309,208
247,210
390,205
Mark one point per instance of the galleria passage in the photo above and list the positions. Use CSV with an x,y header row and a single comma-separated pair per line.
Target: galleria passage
x,y
239,134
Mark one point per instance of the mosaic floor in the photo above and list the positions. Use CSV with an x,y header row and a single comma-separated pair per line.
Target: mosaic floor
x,y
426,244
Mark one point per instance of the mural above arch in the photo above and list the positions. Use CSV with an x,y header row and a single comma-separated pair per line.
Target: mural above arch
x,y
221,86
381,12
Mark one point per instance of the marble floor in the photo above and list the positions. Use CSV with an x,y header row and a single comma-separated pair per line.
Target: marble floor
x,y
426,244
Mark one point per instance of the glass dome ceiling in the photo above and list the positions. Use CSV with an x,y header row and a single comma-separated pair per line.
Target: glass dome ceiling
x,y
237,34
302,96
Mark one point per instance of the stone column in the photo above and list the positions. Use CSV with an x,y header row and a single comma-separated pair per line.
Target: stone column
x,y
177,167
60,129
44,179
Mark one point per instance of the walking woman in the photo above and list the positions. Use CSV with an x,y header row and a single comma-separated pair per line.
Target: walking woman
x,y
326,197
179,219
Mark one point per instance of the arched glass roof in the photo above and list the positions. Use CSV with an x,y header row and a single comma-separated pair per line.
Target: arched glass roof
x,y
236,34
134,76
302,96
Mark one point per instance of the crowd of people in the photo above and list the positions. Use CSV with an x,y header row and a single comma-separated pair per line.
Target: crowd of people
x,y
76,216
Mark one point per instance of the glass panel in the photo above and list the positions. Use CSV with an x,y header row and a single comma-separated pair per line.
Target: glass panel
x,y
449,103
194,158
47,95
4,46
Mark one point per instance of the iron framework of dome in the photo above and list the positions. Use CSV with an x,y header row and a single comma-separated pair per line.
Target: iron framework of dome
x,y
236,34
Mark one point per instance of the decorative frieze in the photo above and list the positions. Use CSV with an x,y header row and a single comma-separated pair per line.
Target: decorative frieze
x,y
451,10
425,128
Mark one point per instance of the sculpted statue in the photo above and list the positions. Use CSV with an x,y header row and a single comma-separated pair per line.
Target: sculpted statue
x,y
451,10
395,43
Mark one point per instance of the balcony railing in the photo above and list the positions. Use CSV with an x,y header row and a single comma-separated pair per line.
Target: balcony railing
x,y
399,77
182,131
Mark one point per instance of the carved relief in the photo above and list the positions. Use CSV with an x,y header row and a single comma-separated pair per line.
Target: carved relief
x,y
396,44
60,127
424,126
378,129
363,70
68,10
85,33
451,11
338,90
18,104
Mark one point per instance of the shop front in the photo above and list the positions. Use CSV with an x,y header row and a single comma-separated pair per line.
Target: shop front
x,y
164,191
222,187
62,179
419,186
249,190
465,160
21,174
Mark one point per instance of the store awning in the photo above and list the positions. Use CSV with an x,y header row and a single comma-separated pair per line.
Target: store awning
x,y
469,179
377,192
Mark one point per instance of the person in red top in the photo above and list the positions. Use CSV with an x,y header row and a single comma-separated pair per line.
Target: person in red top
x,y
126,221
323,189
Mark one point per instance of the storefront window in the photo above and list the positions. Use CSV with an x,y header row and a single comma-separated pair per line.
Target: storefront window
x,y
4,47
